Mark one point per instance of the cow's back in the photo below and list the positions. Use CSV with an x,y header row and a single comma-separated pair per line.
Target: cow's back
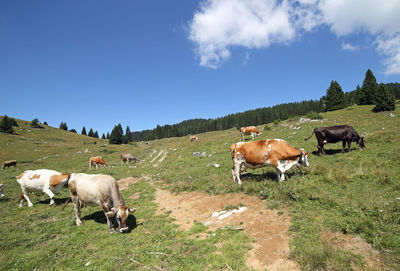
x,y
36,179
279,149
90,188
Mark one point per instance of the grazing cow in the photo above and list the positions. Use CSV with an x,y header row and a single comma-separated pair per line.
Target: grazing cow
x,y
193,138
2,195
46,180
97,161
249,130
9,164
128,158
261,153
333,134
100,190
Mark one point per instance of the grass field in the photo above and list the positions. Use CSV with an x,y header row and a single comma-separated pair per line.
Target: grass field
x,y
352,194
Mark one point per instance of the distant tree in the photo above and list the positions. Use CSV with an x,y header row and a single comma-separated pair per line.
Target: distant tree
x,y
45,123
72,131
63,126
91,133
6,125
83,132
108,135
103,136
384,100
366,94
36,124
116,135
96,135
127,137
335,97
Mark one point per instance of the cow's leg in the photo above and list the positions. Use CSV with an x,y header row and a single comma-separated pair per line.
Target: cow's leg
x,y
343,145
236,172
252,136
90,165
77,210
349,146
97,166
109,222
50,194
25,195
321,150
280,170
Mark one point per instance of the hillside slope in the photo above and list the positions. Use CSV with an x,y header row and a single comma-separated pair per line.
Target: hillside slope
x,y
354,194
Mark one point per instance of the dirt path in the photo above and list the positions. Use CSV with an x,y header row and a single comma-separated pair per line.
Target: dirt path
x,y
156,156
164,155
268,229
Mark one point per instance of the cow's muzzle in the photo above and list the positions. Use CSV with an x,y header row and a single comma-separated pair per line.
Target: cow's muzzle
x,y
124,230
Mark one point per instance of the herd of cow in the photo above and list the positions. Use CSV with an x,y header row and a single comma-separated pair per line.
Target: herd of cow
x,y
99,189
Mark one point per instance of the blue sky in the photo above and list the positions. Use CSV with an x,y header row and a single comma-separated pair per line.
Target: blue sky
x,y
142,63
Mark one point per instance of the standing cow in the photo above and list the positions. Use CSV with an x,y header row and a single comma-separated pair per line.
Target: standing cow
x,y
193,138
48,181
97,161
261,153
9,164
333,134
100,190
127,158
249,130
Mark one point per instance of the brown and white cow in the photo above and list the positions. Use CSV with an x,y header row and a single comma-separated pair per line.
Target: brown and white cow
x,y
261,153
98,189
249,130
46,180
193,138
9,164
127,158
97,161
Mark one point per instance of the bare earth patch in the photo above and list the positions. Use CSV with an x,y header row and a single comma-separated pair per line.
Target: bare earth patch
x,y
268,229
124,183
356,245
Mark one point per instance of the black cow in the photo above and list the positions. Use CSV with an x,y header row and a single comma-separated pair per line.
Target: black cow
x,y
333,134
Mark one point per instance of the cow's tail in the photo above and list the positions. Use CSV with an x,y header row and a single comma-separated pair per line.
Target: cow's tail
x,y
305,139
65,204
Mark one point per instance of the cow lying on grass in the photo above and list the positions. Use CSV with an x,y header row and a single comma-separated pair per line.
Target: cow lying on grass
x,y
102,190
261,153
46,180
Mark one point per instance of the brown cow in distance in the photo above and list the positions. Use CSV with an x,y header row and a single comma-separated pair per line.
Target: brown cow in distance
x,y
9,164
97,161
249,130
193,138
334,134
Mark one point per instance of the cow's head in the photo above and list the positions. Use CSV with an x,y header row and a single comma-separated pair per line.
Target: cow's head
x,y
360,142
303,160
121,215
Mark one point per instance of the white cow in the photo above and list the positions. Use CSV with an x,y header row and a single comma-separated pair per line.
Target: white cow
x,y
98,189
46,180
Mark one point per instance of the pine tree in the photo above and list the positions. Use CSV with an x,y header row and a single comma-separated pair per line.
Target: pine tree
x,y
116,135
45,123
83,131
127,135
6,125
72,131
36,124
366,94
384,100
96,135
108,135
90,133
103,136
335,97
63,126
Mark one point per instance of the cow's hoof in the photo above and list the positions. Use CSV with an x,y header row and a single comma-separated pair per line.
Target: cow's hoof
x,y
30,205
20,206
112,231
78,223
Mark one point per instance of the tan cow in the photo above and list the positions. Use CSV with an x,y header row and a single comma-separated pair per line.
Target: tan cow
x,y
127,158
98,189
249,130
46,180
261,153
97,161
9,164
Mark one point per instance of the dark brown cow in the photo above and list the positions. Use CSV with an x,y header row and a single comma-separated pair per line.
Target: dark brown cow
x,y
334,134
9,164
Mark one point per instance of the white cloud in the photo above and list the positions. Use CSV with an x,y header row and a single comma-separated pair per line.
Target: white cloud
x,y
222,24
349,47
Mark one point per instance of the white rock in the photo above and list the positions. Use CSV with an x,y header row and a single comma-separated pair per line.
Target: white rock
x,y
225,215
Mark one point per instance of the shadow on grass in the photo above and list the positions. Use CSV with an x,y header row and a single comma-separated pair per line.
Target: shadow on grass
x,y
56,200
332,151
100,217
271,176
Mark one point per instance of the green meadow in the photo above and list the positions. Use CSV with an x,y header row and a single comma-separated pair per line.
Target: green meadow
x,y
351,194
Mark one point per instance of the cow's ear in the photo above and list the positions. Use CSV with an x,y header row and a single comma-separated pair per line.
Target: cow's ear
x,y
132,210
110,213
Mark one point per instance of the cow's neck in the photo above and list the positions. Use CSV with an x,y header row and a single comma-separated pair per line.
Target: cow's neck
x,y
118,201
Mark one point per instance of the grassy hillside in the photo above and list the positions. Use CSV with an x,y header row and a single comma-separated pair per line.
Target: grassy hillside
x,y
356,193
